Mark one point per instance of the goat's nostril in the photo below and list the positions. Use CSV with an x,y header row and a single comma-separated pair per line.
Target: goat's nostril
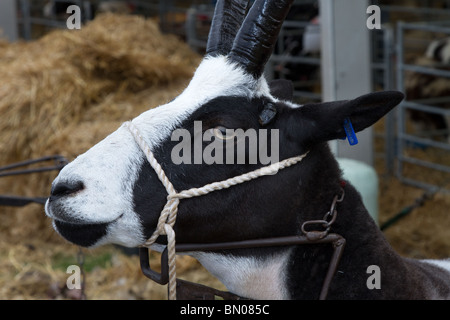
x,y
66,188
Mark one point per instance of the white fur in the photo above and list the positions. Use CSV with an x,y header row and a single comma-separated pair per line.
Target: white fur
x,y
444,54
109,169
249,277
108,173
444,264
214,77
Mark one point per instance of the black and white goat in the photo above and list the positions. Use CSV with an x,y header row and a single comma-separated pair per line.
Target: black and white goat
x,y
111,194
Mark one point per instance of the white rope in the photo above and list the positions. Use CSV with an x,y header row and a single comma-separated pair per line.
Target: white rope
x,y
168,215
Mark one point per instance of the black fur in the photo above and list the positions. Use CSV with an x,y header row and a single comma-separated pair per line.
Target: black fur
x,y
82,234
277,205
232,113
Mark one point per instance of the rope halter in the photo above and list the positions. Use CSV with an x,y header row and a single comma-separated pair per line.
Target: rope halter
x,y
168,215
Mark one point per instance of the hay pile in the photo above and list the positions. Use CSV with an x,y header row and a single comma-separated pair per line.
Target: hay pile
x,y
69,77
68,90
62,94
424,232
39,272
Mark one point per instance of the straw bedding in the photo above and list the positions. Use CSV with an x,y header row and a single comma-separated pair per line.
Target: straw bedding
x,y
66,91
62,94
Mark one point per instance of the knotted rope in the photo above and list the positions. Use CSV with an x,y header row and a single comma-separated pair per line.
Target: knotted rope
x,y
168,215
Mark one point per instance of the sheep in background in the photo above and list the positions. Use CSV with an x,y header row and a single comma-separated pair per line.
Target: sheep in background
x,y
424,86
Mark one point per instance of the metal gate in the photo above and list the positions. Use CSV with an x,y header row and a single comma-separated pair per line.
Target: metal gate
x,y
419,143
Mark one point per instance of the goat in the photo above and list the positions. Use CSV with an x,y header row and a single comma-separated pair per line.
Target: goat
x,y
112,194
424,86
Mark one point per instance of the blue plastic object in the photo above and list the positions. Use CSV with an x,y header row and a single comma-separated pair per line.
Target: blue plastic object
x,y
350,132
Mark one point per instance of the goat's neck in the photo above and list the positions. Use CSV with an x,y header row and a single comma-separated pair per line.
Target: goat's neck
x,y
365,246
368,259
298,272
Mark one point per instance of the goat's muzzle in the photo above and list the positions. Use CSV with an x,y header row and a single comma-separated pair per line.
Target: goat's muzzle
x,y
62,189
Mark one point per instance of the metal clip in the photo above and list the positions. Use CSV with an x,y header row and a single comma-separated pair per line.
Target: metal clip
x,y
315,235
161,278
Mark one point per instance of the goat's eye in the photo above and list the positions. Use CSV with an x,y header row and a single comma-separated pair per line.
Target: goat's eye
x,y
223,133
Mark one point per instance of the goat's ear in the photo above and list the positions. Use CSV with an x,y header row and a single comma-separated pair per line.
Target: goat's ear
x,y
325,121
282,89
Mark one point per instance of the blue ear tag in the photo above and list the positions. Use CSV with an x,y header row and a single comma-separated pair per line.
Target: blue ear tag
x,y
350,132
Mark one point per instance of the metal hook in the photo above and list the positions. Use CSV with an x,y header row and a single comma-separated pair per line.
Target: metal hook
x,y
161,278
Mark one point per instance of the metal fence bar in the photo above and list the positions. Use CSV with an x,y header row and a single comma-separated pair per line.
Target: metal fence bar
x,y
424,142
424,185
26,24
426,108
295,59
400,110
426,164
423,27
426,70
384,37
388,54
404,139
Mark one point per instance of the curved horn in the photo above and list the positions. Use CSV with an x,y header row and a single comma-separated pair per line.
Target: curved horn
x,y
228,17
256,39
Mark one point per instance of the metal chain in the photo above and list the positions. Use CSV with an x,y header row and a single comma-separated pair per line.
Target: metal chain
x,y
325,223
332,213
80,261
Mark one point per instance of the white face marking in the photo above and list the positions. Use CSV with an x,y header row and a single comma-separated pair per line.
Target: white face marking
x,y
108,175
109,170
214,77
444,264
249,277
